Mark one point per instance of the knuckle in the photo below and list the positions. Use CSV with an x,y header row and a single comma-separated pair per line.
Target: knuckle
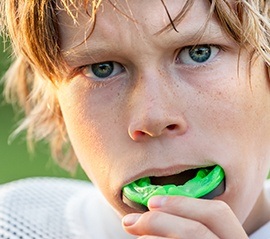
x,y
221,207
203,231
197,229
150,219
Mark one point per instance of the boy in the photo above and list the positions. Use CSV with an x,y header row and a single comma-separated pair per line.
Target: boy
x,y
135,89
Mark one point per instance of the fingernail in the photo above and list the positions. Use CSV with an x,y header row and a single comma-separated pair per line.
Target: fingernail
x,y
157,201
130,219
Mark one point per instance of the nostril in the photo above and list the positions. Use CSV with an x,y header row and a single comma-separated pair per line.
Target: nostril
x,y
172,127
155,130
138,133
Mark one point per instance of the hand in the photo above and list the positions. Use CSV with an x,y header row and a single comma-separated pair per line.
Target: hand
x,y
185,218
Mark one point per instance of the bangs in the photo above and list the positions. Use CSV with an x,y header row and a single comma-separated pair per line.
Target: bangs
x,y
246,22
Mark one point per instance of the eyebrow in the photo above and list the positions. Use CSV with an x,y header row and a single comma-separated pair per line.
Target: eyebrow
x,y
78,53
210,30
98,49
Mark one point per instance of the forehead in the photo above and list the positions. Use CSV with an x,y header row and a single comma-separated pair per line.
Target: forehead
x,y
125,19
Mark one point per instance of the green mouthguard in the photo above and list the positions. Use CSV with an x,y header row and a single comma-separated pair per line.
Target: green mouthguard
x,y
205,182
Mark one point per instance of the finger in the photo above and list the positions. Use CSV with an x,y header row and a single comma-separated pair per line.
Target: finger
x,y
153,237
157,223
214,214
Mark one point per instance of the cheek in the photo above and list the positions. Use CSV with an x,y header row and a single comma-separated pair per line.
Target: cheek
x,y
241,104
247,132
98,144
94,129
88,139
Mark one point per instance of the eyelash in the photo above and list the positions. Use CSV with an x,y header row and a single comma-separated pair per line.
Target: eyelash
x,y
95,83
195,65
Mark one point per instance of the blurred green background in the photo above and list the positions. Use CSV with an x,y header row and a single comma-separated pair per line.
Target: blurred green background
x,y
15,160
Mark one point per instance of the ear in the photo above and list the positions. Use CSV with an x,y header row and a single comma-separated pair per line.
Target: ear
x,y
267,72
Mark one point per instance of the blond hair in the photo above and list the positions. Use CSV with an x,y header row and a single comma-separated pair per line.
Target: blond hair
x,y
32,27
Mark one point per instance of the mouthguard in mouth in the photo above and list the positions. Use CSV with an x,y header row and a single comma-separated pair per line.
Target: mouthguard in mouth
x,y
207,183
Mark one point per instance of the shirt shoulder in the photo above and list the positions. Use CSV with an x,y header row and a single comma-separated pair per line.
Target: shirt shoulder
x,y
37,207
262,233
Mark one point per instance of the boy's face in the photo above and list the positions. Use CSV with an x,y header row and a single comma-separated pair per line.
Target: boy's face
x,y
155,106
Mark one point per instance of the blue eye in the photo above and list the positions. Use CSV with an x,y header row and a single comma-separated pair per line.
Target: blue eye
x,y
194,55
103,70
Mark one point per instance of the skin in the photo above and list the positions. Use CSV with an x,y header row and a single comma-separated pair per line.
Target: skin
x,y
159,114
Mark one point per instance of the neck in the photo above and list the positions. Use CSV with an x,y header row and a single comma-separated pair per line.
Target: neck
x,y
260,213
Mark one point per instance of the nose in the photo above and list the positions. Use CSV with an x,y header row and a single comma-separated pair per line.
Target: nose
x,y
152,128
156,111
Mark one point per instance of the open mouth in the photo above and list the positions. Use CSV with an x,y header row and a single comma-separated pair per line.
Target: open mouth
x,y
206,183
177,179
